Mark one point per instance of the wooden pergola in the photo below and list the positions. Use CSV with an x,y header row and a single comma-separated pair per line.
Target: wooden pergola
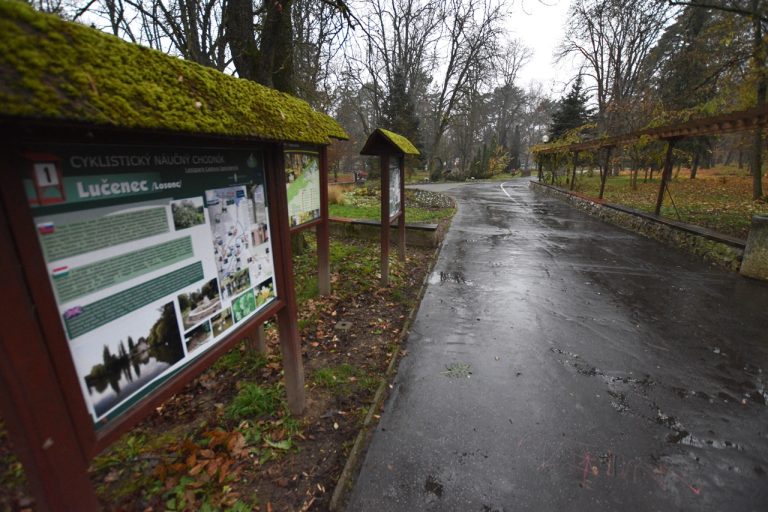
x,y
744,120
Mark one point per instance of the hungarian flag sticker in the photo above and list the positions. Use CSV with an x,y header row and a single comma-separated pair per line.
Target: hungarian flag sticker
x,y
60,272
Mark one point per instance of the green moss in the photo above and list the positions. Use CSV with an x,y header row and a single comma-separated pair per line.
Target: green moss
x,y
54,69
401,142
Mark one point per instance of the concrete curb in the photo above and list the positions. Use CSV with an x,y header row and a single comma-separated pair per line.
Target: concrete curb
x,y
349,473
417,235
721,250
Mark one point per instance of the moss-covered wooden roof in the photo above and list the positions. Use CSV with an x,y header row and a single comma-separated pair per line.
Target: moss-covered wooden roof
x,y
382,140
64,71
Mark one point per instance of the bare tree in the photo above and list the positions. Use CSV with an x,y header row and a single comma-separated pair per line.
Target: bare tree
x,y
319,34
471,31
614,37
192,29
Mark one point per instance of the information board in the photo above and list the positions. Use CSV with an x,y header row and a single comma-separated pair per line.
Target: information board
x,y
154,255
395,201
302,169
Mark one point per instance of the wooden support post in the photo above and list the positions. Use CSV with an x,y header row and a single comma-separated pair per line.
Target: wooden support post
x,y
257,341
323,233
401,220
32,402
573,174
290,343
604,170
666,173
541,168
553,166
384,159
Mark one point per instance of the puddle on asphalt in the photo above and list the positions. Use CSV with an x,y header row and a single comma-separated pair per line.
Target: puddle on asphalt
x,y
619,402
449,277
685,438
584,368
678,433
433,486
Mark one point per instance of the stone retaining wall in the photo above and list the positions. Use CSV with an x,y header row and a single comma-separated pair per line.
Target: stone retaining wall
x,y
416,235
720,250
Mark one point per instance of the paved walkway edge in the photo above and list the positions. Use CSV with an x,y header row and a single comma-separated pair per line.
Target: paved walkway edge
x,y
352,466
721,250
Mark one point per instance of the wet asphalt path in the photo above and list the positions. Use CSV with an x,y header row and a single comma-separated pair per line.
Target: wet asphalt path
x,y
608,372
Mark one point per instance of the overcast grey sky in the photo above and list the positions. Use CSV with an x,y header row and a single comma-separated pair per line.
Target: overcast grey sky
x,y
539,24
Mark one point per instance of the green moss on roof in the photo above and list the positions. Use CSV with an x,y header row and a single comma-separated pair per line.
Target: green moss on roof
x,y
401,142
54,69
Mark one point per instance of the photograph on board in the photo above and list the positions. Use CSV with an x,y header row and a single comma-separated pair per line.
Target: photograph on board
x,y
197,305
187,213
243,306
137,349
221,321
198,337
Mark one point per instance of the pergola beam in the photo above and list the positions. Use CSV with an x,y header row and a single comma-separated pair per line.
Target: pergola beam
x,y
714,125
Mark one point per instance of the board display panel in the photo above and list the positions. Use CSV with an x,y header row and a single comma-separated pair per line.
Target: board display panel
x,y
302,169
395,201
154,255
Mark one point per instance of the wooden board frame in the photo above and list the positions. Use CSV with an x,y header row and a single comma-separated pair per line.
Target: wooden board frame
x,y
321,225
386,219
45,412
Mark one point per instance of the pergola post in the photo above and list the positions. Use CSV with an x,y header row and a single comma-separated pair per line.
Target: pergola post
x,y
665,175
553,166
604,170
573,173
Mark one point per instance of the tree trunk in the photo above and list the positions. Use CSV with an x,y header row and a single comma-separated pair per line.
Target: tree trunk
x,y
275,66
604,170
762,88
695,166
298,243
238,19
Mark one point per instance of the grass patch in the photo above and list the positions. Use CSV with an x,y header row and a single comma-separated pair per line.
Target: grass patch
x,y
254,401
718,199
412,215
12,474
240,360
420,206
345,379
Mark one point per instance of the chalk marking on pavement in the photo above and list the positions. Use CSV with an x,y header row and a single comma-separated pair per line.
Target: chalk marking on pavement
x,y
502,189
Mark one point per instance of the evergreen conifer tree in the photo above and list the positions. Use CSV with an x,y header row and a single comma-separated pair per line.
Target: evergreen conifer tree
x,y
571,111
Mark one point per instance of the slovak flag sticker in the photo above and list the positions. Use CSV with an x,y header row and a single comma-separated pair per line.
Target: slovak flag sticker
x,y
46,228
